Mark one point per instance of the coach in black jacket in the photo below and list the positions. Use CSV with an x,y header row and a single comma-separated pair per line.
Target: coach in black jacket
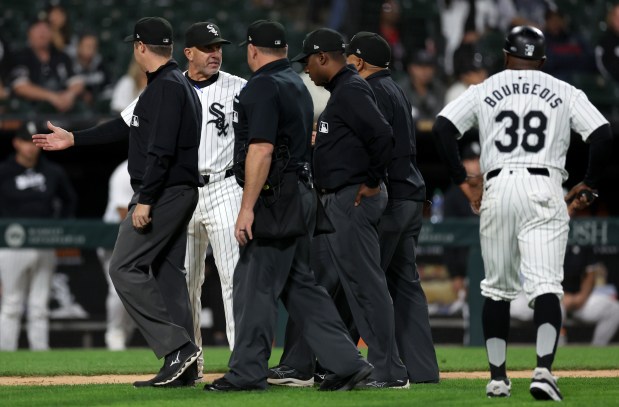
x,y
147,266
400,224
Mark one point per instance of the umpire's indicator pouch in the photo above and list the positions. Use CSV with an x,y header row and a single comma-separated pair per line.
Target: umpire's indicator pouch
x,y
278,212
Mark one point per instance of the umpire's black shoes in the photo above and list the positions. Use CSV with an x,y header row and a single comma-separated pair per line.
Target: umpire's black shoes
x,y
176,363
283,375
383,384
335,383
222,384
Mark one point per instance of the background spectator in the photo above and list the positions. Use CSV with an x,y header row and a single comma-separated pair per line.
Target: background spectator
x,y
582,299
128,87
44,74
30,187
120,326
423,88
89,64
607,50
62,37
464,16
458,206
566,52
468,67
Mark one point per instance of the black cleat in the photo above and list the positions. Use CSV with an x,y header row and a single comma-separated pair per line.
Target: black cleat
x,y
283,375
176,363
222,384
335,383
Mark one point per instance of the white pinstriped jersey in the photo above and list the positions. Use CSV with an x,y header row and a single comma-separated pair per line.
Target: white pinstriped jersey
x,y
524,119
216,151
217,143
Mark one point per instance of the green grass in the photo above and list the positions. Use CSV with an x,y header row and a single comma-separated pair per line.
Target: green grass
x,y
136,361
577,392
460,392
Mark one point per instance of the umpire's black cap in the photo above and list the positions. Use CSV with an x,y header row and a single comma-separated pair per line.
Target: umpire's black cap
x,y
152,31
203,34
370,47
265,33
321,40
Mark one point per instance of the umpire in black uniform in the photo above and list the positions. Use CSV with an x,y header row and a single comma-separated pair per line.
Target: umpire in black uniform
x,y
147,266
273,126
400,224
353,146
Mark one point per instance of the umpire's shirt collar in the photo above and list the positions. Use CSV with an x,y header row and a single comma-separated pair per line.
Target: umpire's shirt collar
x,y
378,74
345,72
273,66
171,64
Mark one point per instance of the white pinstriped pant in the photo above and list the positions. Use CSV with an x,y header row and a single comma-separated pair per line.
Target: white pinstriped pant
x,y
213,222
25,274
524,227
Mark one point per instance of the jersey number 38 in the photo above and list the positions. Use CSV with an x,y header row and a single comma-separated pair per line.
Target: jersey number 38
x,y
534,126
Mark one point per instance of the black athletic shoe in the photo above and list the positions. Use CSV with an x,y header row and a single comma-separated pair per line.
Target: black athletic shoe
x,y
335,383
319,377
389,384
283,375
544,385
176,363
187,379
222,384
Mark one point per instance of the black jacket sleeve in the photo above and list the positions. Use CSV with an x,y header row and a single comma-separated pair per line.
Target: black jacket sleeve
x,y
108,132
445,134
600,151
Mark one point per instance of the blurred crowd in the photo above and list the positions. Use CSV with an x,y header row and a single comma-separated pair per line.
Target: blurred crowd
x,y
439,49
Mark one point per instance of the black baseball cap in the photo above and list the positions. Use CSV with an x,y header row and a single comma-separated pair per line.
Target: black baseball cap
x,y
265,33
321,40
422,57
370,47
203,34
152,31
27,129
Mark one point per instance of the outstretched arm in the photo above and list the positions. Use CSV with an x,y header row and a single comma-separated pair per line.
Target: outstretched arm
x,y
58,139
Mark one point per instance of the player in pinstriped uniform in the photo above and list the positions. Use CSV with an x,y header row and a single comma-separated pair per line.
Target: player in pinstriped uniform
x,y
219,201
524,118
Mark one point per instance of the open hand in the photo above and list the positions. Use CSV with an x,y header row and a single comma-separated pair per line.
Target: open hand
x,y
59,139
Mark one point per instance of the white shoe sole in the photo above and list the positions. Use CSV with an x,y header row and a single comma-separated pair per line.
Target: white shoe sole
x,y
291,382
184,367
498,388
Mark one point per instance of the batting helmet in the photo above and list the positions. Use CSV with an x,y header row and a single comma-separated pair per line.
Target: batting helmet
x,y
525,42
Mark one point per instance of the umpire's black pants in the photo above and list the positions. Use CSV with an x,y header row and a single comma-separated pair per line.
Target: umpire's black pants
x,y
148,271
348,266
399,230
268,270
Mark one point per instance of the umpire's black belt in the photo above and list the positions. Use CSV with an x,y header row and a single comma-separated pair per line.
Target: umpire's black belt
x,y
229,173
325,191
532,171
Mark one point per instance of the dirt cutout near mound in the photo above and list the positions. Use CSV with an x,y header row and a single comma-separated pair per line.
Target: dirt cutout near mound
x,y
128,379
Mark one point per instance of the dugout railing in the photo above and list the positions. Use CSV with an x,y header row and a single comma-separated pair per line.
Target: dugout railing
x,y
91,234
